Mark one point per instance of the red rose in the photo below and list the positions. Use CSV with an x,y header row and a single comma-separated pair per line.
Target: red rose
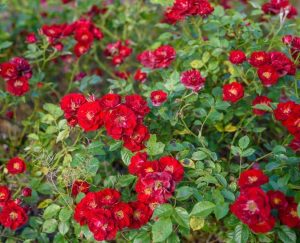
x,y
268,75
80,186
122,213
192,79
164,56
237,57
284,110
140,76
172,166
4,194
264,226
17,87
293,124
295,144
136,103
147,59
158,186
84,36
136,140
141,214
259,58
98,34
282,64
287,39
233,92
8,70
13,216
90,116
158,97
108,197
148,167
53,31
252,178
70,104
26,192
122,75
277,199
121,121
102,225
261,100
23,67
81,49
252,206
136,163
16,166
31,38
289,216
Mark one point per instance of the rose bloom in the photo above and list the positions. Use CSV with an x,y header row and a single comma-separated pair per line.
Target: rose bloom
x,y
17,87
26,192
158,97
136,162
259,58
295,144
108,197
80,186
261,100
148,167
264,226
13,216
237,57
252,178
282,64
109,101
268,75
141,214
23,67
192,79
16,166
284,110
172,166
252,208
137,104
140,76
8,70
135,142
81,49
289,216
277,199
233,92
4,194
31,38
90,116
122,213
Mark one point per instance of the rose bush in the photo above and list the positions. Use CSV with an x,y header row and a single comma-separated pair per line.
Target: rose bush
x,y
149,121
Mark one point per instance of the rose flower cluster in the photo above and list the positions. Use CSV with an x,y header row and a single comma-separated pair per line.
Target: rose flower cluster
x,y
156,179
83,31
288,113
184,8
105,213
253,206
161,57
12,215
294,43
16,73
123,120
118,52
275,7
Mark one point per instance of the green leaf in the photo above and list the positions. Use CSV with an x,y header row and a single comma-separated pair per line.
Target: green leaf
x,y
203,209
65,214
181,216
154,147
63,135
126,156
51,211
142,237
54,110
248,152
241,233
163,210
63,227
126,180
161,229
221,210
199,155
244,142
96,148
5,44
162,2
184,192
50,226
287,235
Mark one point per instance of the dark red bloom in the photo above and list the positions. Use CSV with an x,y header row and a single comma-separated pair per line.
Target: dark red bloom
x,y
172,166
122,213
147,59
277,199
17,87
118,52
8,70
54,31
4,194
26,192
140,76
70,104
90,116
293,123
102,225
136,163
122,75
260,100
23,67
295,144
282,64
268,75
80,49
237,57
289,216
252,206
109,101
135,142
252,178
148,167
141,214
275,7
136,103
13,216
120,121
284,110
108,197
233,92
31,38
264,226
259,58
158,186
158,97
192,79
287,39
84,36
16,166
80,186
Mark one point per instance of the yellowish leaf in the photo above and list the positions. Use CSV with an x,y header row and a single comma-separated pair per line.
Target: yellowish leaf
x,y
45,203
219,127
230,128
196,223
188,163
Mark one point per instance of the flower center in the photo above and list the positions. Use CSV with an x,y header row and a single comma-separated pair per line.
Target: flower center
x,y
252,179
233,91
90,115
16,166
267,74
251,206
2,195
18,84
148,191
277,200
120,214
137,215
294,213
13,215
